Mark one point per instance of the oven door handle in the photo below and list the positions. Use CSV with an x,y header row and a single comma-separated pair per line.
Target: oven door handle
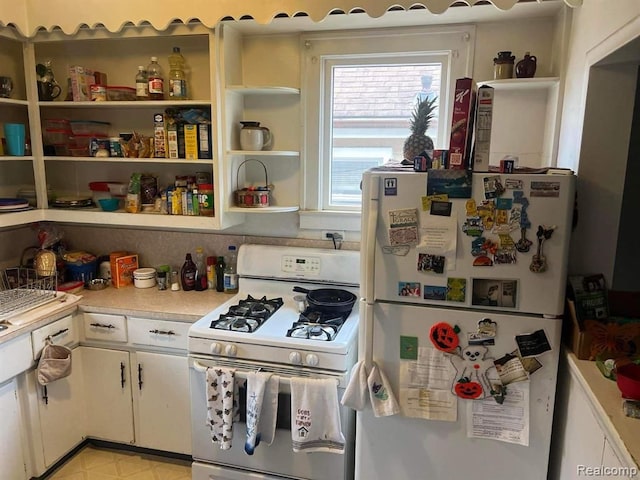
x,y
242,375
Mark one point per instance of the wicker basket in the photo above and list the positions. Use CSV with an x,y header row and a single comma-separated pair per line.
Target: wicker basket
x,y
253,197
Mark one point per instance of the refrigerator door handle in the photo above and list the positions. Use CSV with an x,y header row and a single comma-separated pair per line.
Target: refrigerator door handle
x,y
370,237
365,338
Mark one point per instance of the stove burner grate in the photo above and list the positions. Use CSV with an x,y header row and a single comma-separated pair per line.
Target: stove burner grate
x,y
316,325
247,315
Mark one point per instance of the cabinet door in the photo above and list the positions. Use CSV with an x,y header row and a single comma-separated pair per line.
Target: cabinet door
x,y
161,393
107,390
12,463
58,403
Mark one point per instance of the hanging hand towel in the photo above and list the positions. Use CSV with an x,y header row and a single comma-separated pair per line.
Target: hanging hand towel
x,y
357,392
383,402
315,416
261,415
268,417
221,405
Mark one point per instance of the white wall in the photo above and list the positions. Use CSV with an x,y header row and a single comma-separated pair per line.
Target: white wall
x,y
596,122
535,35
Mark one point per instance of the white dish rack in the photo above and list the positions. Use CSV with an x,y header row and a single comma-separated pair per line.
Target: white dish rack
x,y
22,289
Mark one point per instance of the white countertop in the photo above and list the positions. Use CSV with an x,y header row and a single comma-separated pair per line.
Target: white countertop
x,y
141,302
606,400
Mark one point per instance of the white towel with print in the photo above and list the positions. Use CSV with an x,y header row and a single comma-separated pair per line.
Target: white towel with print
x,y
315,416
383,401
356,394
222,404
262,406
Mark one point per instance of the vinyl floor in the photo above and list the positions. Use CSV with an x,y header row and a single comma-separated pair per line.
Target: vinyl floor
x,y
93,463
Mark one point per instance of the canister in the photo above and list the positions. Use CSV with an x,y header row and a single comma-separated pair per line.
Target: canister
x,y
144,277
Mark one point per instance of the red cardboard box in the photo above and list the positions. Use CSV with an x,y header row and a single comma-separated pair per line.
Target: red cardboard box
x,y
462,124
122,266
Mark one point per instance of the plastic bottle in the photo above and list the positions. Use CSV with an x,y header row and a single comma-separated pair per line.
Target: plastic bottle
x,y
177,77
156,80
230,273
142,84
220,275
201,270
188,274
211,273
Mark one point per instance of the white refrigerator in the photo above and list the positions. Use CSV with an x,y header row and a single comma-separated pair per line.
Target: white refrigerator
x,y
463,279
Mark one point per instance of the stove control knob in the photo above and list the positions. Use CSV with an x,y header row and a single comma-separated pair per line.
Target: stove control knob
x,y
215,348
231,350
295,358
312,360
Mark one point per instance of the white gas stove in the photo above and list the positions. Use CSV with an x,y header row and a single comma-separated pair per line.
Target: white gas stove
x,y
238,329
267,326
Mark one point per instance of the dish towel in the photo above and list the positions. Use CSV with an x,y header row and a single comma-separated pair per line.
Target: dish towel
x,y
383,402
357,392
315,416
262,406
222,405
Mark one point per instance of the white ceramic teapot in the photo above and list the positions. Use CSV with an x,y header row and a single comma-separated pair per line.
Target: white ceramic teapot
x,y
253,137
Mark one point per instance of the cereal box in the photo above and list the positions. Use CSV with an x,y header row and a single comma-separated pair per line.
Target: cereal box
x,y
462,124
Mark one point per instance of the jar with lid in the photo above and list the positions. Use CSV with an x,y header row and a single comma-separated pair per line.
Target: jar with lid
x,y
503,65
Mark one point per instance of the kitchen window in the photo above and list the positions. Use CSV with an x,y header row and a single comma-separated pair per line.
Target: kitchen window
x,y
359,92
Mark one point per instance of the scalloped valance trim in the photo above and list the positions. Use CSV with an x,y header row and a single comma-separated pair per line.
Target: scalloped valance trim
x,y
29,18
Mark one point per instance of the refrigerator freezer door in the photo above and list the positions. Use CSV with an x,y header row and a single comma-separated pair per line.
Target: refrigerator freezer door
x,y
404,447
400,272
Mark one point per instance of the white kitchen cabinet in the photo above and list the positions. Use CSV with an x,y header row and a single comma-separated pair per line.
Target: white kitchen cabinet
x,y
61,406
261,82
525,120
107,389
51,406
16,173
12,454
161,401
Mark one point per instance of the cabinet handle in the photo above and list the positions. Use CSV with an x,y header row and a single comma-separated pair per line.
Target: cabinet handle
x,y
101,325
64,330
122,378
139,376
45,395
162,332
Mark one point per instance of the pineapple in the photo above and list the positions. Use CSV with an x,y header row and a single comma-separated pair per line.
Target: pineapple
x,y
418,142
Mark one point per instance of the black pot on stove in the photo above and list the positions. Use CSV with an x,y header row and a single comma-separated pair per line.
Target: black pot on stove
x,y
331,300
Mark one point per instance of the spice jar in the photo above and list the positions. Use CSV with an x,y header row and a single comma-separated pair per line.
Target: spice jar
x,y
503,65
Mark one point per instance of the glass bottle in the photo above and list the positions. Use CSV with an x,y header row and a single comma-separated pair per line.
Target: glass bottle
x,y
177,77
220,274
230,273
188,274
201,270
142,84
156,80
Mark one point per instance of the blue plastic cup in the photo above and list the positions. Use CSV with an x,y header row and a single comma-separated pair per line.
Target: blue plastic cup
x,y
14,133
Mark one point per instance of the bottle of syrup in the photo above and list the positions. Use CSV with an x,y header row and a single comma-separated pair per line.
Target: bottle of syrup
x,y
188,274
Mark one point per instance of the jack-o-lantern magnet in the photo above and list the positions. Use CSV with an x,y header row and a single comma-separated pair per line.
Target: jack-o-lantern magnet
x,y
444,337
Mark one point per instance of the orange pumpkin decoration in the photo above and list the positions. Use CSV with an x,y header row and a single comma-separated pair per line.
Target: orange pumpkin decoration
x,y
444,337
467,389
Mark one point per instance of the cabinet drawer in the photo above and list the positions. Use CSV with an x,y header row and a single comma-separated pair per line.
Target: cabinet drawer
x,y
62,332
158,333
106,327
16,357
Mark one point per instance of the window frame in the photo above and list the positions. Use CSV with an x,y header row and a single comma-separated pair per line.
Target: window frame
x,y
456,42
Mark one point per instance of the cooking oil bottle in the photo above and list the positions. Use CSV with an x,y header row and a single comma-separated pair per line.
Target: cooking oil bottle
x,y
177,77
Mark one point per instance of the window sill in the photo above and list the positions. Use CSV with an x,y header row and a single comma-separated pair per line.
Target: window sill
x,y
330,220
